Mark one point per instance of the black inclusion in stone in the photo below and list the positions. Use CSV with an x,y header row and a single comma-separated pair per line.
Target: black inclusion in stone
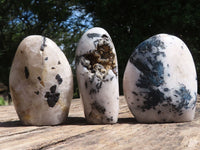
x,y
93,35
151,77
134,93
166,89
111,78
145,59
148,45
39,78
26,72
59,62
86,84
52,96
152,99
59,79
110,119
43,44
195,100
46,58
185,97
159,112
181,47
37,92
98,107
98,85
53,89
104,36
93,91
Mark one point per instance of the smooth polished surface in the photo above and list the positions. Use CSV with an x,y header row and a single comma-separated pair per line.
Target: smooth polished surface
x,y
41,82
97,76
160,81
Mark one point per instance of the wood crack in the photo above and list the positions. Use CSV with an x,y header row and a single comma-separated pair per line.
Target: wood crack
x,y
24,132
78,136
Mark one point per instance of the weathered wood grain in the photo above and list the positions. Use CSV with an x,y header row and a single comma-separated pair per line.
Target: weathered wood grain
x,y
75,133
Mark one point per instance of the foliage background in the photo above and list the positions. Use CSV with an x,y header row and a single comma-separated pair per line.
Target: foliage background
x,y
128,22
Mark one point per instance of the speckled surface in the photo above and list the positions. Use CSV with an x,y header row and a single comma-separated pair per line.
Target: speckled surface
x,y
160,81
41,82
97,75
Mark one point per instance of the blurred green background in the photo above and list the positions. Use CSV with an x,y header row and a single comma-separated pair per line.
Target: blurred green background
x,y
128,22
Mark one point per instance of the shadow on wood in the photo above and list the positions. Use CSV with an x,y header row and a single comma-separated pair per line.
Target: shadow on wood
x,y
11,124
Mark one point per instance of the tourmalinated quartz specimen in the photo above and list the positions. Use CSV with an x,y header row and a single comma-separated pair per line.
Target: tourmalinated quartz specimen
x,y
41,82
160,81
97,75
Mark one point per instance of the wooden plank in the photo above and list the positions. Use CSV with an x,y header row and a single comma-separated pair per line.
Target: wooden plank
x,y
75,133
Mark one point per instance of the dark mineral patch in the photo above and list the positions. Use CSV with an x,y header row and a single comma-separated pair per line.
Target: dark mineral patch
x,y
52,96
93,91
159,112
185,97
53,89
136,94
180,114
86,85
104,36
26,72
110,119
152,99
151,77
139,64
46,58
111,78
39,78
194,103
91,79
150,49
53,68
166,89
59,79
181,47
150,44
98,107
144,58
37,92
98,85
93,35
59,62
43,44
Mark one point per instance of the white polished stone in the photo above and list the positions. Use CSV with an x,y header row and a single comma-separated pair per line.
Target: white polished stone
x,y
41,82
160,81
97,75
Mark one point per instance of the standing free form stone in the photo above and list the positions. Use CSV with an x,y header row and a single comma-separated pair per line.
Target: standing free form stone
x,y
160,81
41,82
97,75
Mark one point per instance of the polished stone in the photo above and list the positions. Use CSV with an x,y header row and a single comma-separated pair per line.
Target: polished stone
x,y
160,81
41,82
97,75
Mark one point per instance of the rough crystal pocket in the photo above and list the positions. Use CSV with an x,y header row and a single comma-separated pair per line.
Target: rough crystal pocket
x,y
97,75
160,81
41,82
